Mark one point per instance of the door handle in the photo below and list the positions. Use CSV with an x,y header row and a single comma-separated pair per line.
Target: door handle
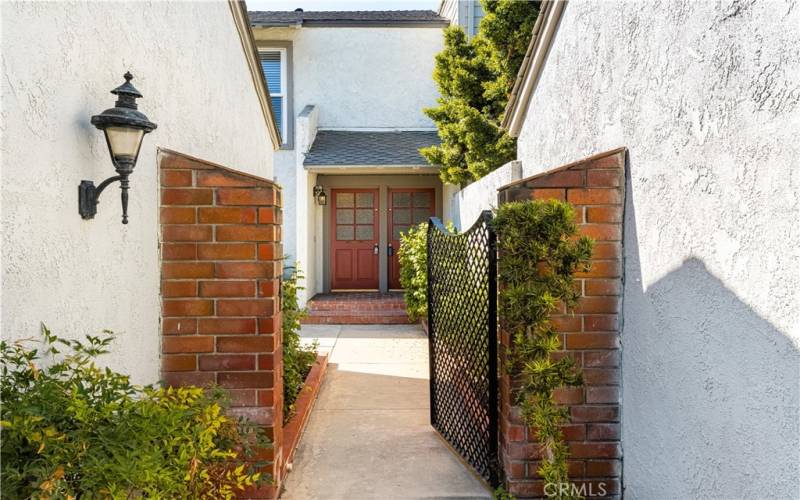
x,y
390,250
375,249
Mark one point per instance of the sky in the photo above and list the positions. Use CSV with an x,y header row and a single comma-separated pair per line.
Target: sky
x,y
343,4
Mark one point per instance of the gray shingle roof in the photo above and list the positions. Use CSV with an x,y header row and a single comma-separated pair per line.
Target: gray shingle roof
x,y
347,18
336,147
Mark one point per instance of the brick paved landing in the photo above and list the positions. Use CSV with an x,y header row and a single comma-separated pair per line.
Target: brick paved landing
x,y
357,308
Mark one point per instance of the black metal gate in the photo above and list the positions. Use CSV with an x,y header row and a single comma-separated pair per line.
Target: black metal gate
x,y
462,329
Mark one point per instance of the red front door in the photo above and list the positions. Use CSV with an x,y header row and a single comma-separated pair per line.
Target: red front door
x,y
354,239
407,207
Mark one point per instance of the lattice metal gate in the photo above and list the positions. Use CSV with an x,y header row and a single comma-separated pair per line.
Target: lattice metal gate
x,y
462,326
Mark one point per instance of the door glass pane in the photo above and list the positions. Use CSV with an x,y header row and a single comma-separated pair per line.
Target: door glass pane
x,y
344,233
422,199
396,230
401,199
401,216
364,216
364,200
364,233
344,200
421,215
344,216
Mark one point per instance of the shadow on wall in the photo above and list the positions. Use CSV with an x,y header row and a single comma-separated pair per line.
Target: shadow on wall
x,y
711,389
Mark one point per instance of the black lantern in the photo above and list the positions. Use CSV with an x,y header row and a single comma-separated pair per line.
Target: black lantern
x,y
319,194
124,127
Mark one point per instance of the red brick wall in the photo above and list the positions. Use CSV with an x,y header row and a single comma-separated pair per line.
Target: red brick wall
x,y
220,268
595,187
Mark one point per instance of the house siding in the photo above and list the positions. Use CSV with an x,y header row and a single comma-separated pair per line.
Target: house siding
x,y
705,97
60,61
363,77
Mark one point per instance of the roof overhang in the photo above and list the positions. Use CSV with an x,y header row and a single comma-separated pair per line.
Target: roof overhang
x,y
310,23
348,19
544,31
372,169
239,12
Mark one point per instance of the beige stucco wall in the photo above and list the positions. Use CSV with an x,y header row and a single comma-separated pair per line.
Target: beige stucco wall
x,y
706,98
363,77
59,61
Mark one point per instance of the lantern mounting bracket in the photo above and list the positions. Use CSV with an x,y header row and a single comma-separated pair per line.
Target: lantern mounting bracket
x,y
89,197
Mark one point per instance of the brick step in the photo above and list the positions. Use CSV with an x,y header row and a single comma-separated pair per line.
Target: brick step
x,y
356,319
356,312
356,306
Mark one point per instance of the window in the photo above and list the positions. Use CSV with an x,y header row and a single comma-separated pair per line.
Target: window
x,y
273,63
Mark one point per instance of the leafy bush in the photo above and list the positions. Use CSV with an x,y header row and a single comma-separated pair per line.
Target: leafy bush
x,y
297,360
539,253
413,259
474,78
73,430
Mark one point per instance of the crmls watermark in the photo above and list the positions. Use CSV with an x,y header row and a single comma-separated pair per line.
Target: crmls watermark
x,y
586,490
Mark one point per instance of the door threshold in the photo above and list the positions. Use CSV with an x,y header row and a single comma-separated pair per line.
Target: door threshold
x,y
345,290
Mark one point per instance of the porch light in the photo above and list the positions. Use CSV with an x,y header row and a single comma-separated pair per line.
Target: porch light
x,y
319,194
124,127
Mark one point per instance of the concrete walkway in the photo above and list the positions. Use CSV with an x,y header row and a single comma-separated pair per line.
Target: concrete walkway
x,y
369,435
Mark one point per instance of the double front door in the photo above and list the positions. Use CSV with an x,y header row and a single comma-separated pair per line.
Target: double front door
x,y
356,228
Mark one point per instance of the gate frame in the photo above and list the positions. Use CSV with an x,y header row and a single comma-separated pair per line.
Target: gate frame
x,y
435,224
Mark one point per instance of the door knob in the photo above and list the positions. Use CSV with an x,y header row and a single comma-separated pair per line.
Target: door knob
x,y
375,249
390,250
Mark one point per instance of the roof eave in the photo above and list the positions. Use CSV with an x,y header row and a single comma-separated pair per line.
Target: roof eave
x,y
242,22
532,65
311,23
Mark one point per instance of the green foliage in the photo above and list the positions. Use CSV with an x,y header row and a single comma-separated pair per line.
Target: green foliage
x,y
501,493
413,258
474,79
539,253
297,360
73,430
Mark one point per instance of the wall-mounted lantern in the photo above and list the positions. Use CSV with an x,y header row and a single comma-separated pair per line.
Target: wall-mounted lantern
x,y
124,127
319,194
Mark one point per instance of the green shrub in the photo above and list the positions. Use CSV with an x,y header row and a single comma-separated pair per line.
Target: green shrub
x,y
539,252
297,360
73,430
475,77
413,256
413,259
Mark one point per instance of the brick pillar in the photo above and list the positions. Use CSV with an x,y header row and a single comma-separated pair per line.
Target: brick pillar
x,y
221,262
595,187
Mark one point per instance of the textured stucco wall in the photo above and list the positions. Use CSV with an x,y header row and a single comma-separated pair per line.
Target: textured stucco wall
x,y
363,77
468,203
59,61
706,96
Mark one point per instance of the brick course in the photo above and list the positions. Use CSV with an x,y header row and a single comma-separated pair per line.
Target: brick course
x,y
220,269
595,187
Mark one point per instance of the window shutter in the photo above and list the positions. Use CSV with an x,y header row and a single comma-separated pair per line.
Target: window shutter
x,y
271,65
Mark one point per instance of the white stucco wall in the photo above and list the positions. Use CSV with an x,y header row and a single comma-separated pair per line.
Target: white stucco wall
x,y
707,98
363,77
468,203
59,62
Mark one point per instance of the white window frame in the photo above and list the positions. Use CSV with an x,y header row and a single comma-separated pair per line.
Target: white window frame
x,y
283,94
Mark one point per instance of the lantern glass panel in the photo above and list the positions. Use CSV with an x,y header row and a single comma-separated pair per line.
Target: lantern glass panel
x,y
124,141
